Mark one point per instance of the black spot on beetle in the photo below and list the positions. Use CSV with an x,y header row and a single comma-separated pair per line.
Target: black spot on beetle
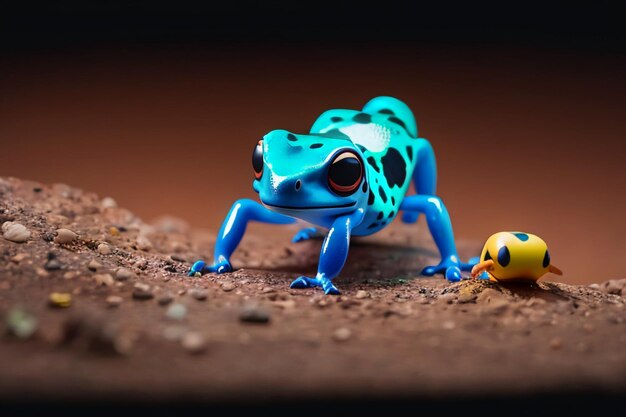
x,y
373,225
316,145
380,215
397,121
386,111
504,256
382,194
391,214
393,200
521,236
336,119
362,118
364,186
373,164
291,137
394,167
487,256
371,198
409,152
546,259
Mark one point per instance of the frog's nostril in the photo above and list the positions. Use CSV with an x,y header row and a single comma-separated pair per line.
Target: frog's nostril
x,y
298,185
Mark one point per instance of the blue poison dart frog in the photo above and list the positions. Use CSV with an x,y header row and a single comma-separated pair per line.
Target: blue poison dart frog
x,y
349,175
514,256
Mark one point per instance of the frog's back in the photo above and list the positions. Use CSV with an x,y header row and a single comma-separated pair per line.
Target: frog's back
x,y
386,133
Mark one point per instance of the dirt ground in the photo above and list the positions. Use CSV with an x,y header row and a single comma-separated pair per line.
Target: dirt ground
x,y
110,315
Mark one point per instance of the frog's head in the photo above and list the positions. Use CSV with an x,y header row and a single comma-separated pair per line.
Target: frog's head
x,y
309,176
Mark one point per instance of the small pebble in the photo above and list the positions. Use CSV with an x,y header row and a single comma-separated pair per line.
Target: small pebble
x,y
104,279
176,311
254,314
108,203
122,274
142,292
60,300
52,265
19,257
15,232
342,334
447,298
174,333
228,286
267,290
448,325
199,294
556,343
65,236
104,249
165,299
178,258
193,343
114,301
94,265
143,243
360,294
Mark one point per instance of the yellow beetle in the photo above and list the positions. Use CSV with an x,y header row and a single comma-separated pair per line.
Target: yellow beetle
x,y
514,256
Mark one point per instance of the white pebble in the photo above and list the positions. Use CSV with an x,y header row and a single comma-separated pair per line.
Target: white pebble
x,y
65,236
193,342
176,312
104,249
342,334
108,202
123,274
15,232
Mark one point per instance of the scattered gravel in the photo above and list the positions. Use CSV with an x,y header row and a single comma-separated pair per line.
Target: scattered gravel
x,y
114,300
104,279
21,324
15,232
165,299
360,294
228,286
142,292
94,265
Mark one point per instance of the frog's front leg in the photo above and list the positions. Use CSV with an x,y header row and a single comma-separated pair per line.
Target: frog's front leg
x,y
232,232
333,254
441,229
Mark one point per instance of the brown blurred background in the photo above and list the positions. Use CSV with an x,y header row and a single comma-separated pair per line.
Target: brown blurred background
x,y
161,110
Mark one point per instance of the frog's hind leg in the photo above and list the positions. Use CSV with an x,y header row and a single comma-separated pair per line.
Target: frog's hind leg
x,y
397,111
424,174
232,231
441,230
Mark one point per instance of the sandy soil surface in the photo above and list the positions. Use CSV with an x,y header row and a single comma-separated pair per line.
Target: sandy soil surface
x,y
104,311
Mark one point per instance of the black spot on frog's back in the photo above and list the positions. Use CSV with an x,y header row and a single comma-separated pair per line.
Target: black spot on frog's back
x,y
394,168
362,118
373,164
383,195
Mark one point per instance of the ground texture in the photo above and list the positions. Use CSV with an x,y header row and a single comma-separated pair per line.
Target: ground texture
x,y
108,313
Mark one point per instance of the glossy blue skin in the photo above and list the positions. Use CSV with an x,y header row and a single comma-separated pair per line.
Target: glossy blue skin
x,y
294,185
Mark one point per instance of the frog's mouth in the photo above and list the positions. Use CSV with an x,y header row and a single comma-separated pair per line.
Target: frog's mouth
x,y
311,207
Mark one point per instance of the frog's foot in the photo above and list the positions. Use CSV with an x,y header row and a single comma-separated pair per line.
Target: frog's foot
x,y
201,268
449,267
306,282
306,234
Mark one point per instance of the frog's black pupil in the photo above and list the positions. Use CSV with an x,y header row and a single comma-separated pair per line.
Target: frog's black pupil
x,y
257,158
546,259
346,172
504,257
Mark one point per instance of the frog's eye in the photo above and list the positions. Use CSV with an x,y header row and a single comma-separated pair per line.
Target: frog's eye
x,y
257,160
345,173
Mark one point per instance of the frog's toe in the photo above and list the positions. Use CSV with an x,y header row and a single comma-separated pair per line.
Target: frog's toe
x,y
409,217
429,271
453,274
303,282
328,286
196,268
